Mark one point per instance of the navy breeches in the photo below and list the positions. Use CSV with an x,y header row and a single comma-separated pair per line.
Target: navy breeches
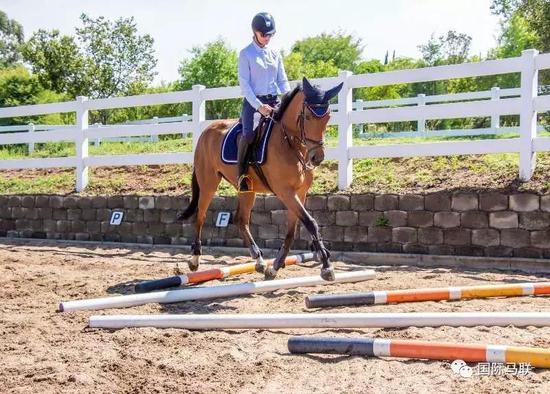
x,y
247,117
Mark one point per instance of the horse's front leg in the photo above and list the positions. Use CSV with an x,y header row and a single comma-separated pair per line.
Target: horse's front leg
x,y
246,202
293,203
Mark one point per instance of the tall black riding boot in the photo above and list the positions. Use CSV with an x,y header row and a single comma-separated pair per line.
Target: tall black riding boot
x,y
244,182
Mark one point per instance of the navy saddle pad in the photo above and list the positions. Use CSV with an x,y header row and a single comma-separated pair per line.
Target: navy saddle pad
x,y
229,146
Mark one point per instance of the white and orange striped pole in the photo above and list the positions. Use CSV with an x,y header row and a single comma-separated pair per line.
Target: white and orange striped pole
x,y
427,294
372,347
212,274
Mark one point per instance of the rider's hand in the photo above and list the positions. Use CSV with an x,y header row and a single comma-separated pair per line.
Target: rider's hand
x,y
265,110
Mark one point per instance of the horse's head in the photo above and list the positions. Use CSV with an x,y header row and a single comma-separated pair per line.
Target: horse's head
x,y
313,118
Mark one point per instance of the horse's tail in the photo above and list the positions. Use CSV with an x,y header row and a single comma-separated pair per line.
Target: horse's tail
x,y
192,208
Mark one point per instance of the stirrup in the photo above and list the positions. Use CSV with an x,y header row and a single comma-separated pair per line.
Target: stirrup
x,y
245,178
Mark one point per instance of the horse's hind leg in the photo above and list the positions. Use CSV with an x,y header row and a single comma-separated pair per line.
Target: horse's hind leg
x,y
282,254
246,202
207,190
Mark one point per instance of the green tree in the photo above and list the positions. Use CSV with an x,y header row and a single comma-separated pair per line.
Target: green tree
x,y
296,67
19,87
57,61
212,65
117,58
11,37
340,49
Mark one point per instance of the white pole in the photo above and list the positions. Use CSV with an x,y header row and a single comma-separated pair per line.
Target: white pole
x,y
345,132
325,320
199,113
81,142
495,118
202,293
421,126
528,115
31,144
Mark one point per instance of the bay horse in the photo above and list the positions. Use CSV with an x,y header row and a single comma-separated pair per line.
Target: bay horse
x,y
295,148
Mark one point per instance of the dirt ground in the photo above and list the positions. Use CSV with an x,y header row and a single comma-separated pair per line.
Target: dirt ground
x,y
47,352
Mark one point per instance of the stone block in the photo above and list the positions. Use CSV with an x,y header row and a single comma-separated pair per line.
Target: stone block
x,y
464,202
515,238
163,202
338,202
430,236
474,219
70,202
411,202
99,202
404,235
147,202
540,239
524,202
272,203
447,219
457,236
355,234
437,202
503,219
115,202
386,202
346,218
362,202
493,201
278,216
396,218
534,220
420,219
332,233
485,237
131,202
379,234
369,218
27,202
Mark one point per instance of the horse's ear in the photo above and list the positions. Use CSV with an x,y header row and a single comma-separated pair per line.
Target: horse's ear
x,y
308,88
333,92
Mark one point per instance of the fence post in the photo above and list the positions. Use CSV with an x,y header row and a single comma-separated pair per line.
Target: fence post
x,y
81,142
495,118
184,119
155,137
199,113
31,144
345,133
360,106
421,127
528,115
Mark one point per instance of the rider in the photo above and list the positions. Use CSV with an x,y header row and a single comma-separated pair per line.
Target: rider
x,y
262,77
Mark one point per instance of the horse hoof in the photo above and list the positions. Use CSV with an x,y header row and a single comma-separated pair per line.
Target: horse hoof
x,y
260,265
194,263
270,273
328,274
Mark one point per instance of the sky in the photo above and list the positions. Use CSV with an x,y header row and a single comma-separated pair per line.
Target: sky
x,y
179,25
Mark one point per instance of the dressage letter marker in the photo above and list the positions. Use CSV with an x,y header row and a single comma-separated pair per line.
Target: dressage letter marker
x,y
203,293
434,294
420,350
211,274
325,320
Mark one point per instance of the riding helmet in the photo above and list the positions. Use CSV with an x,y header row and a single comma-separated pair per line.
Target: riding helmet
x,y
264,23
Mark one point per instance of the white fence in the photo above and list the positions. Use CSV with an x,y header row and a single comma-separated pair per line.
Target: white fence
x,y
526,102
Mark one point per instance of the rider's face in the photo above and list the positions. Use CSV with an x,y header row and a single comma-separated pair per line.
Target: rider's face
x,y
263,39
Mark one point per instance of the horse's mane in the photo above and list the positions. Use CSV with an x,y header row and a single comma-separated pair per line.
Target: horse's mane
x,y
285,102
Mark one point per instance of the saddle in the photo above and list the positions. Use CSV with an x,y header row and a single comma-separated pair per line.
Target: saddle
x,y
258,149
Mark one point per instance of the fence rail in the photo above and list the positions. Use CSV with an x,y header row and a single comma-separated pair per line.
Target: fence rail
x,y
523,101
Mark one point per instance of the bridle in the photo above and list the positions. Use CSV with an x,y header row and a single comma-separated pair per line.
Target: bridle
x,y
319,111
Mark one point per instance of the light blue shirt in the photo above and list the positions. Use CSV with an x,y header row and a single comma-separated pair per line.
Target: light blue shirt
x,y
261,72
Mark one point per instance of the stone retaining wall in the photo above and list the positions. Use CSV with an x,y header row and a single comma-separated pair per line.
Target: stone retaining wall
x,y
478,224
